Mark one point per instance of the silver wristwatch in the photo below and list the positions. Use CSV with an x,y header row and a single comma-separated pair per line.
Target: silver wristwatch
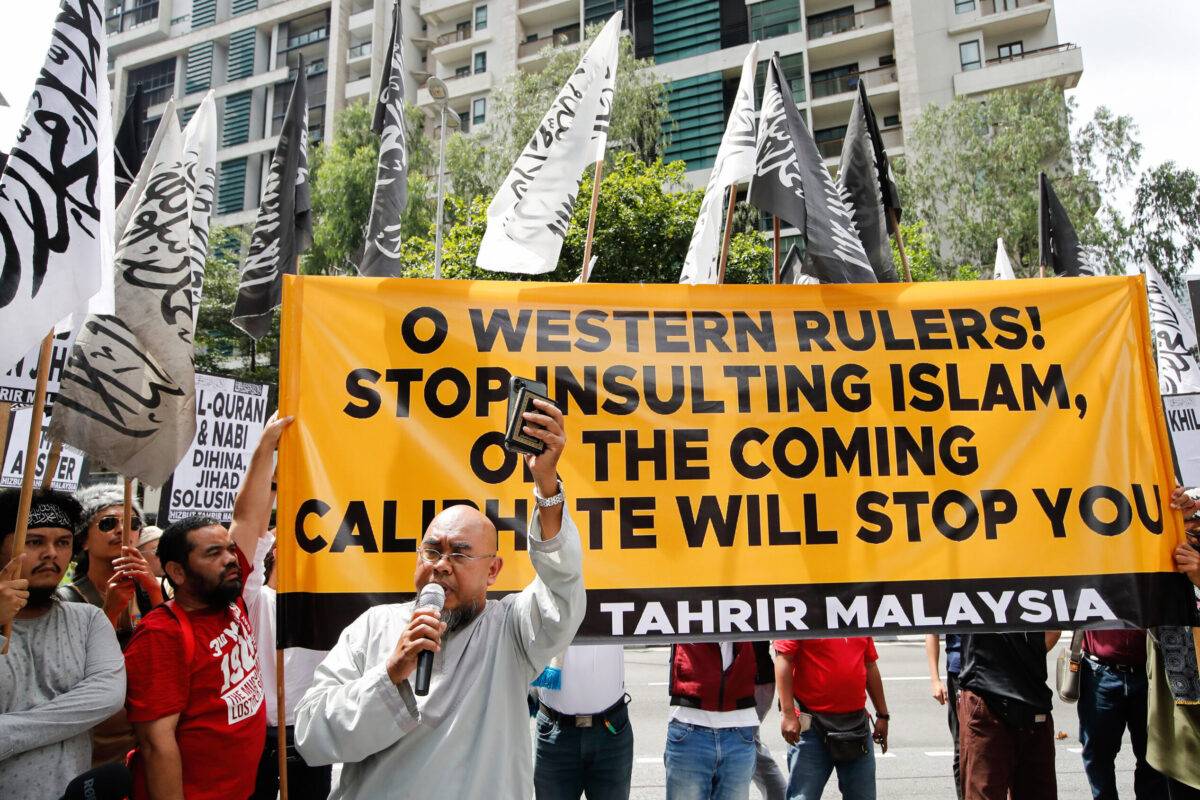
x,y
550,502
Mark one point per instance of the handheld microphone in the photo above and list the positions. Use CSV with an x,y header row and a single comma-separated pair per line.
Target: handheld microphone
x,y
431,596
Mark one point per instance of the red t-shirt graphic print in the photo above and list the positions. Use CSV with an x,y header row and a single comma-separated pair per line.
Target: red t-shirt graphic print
x,y
219,696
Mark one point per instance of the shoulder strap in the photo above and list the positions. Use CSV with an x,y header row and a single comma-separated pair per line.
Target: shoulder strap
x,y
1076,644
185,628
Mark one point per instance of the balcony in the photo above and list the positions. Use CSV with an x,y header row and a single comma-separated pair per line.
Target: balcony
x,y
441,12
535,13
845,36
458,87
358,51
143,24
893,143
1061,63
358,88
457,44
537,50
305,39
844,84
363,21
1002,17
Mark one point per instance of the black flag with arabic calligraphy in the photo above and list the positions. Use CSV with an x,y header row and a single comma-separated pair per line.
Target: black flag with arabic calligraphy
x,y
283,229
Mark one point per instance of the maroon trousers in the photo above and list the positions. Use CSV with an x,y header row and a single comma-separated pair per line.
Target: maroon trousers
x,y
996,759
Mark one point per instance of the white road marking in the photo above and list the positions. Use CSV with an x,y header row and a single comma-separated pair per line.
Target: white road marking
x,y
648,760
906,677
1075,749
940,753
657,683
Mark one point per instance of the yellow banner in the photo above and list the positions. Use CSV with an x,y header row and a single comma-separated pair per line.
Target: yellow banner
x,y
893,457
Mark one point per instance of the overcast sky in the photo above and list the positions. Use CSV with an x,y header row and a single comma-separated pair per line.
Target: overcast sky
x,y
1140,58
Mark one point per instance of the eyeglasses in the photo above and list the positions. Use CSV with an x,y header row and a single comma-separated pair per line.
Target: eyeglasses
x,y
431,555
109,524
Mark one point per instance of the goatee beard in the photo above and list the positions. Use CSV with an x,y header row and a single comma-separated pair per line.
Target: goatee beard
x,y
40,597
223,594
458,618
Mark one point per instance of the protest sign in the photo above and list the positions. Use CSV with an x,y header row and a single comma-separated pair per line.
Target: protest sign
x,y
18,384
1183,422
70,464
743,461
230,416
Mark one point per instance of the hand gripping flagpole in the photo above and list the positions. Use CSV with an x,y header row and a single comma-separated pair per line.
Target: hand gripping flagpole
x,y
900,243
33,443
587,245
728,233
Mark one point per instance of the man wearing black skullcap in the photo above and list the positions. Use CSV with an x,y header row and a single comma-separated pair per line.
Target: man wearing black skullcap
x,y
64,672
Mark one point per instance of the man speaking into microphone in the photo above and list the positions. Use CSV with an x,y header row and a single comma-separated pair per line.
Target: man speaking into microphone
x,y
468,737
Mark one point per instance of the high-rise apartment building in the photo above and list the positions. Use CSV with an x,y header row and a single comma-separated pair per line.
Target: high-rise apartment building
x,y
910,53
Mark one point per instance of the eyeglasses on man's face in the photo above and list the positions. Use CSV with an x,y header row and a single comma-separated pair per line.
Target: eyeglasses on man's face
x,y
110,523
431,555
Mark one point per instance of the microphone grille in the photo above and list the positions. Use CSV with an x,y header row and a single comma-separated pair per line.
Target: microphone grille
x,y
432,595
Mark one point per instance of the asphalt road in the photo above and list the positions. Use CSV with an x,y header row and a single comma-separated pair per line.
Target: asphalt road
x,y
918,762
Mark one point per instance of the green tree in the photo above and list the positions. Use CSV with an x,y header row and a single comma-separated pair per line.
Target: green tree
x,y
922,260
972,175
644,222
343,176
1165,228
222,348
478,162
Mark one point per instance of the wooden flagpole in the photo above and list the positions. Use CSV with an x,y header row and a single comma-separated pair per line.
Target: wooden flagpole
x,y
900,244
775,249
127,514
728,233
280,714
5,413
31,448
587,245
52,460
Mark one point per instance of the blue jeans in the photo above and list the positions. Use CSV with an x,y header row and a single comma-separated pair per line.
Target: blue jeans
x,y
593,761
811,765
709,763
1110,701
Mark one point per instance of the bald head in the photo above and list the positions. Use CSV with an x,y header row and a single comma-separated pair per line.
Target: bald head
x,y
467,541
465,521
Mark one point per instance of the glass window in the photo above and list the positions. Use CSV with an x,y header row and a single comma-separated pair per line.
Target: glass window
x,y
464,121
968,55
480,18
891,120
157,81
793,73
478,110
1011,50
481,62
774,18
830,23
963,6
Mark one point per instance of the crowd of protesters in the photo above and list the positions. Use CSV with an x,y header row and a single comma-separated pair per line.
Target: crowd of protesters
x,y
151,674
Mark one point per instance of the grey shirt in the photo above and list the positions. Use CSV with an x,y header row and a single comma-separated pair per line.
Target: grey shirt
x,y
469,737
63,674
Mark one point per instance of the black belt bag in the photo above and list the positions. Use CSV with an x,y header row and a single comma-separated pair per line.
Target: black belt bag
x,y
847,736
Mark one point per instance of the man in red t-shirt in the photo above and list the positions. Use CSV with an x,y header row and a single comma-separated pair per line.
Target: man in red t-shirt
x,y
823,687
195,695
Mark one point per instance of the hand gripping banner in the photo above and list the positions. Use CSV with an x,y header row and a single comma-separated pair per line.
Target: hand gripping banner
x,y
743,462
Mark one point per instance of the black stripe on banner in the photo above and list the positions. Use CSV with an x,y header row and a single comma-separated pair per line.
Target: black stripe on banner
x,y
649,616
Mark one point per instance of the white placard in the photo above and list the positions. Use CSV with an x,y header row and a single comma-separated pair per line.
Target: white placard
x,y
18,384
1183,423
70,463
230,416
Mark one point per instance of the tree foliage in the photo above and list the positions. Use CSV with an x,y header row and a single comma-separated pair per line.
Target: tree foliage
x,y
644,222
973,166
972,176
222,348
478,161
343,177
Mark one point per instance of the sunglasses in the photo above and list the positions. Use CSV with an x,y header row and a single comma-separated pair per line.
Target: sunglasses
x,y
110,524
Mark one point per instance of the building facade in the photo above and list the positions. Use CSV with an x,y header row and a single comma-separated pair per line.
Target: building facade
x,y
910,53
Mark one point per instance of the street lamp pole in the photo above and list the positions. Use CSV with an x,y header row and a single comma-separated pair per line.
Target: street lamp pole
x,y
441,195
